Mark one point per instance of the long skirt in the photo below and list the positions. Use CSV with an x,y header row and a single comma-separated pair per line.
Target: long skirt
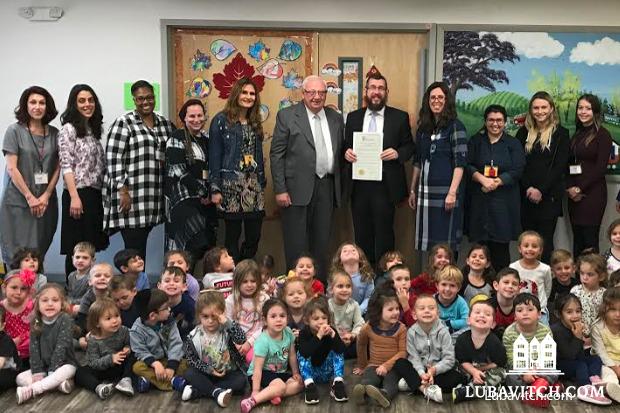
x,y
89,227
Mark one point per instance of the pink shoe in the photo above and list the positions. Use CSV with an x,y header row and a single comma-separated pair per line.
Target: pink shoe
x,y
247,404
276,401
590,394
596,380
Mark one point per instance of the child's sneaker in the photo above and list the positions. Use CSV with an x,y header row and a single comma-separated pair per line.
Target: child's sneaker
x,y
188,393
222,397
359,394
433,392
247,404
311,394
378,395
590,394
143,385
124,386
276,401
66,386
402,385
178,383
104,390
24,393
339,392
459,394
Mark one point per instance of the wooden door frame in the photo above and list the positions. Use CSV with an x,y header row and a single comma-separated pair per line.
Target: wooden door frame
x,y
168,27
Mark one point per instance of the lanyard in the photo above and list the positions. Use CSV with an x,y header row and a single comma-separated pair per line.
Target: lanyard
x,y
40,149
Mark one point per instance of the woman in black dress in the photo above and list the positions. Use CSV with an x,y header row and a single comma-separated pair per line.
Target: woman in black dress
x,y
546,146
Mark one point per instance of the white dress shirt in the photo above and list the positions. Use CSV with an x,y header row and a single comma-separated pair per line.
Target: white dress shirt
x,y
326,135
379,119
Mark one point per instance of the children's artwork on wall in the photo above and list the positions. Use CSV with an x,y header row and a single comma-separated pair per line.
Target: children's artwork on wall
x,y
285,103
259,51
350,84
128,102
233,71
292,80
373,71
200,61
507,68
290,50
199,88
332,87
222,49
271,69
264,112
330,69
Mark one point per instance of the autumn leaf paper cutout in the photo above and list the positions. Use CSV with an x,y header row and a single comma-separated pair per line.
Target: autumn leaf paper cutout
x,y
233,71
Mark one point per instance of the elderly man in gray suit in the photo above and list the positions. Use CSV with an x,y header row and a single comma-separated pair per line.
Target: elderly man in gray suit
x,y
305,167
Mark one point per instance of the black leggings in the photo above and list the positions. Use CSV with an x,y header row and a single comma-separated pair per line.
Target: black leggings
x,y
7,379
90,378
205,384
447,381
252,232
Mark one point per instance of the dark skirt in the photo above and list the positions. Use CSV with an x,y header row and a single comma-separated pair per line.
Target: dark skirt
x,y
90,225
192,225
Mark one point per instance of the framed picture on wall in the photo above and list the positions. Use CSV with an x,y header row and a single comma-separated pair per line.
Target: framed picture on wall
x,y
350,84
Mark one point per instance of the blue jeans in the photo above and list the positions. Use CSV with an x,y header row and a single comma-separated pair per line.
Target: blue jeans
x,y
582,368
332,367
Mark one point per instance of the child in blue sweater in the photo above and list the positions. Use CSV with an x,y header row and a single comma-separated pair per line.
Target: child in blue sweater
x,y
453,309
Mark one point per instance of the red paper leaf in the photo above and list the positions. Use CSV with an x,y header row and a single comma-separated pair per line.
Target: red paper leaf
x,y
233,71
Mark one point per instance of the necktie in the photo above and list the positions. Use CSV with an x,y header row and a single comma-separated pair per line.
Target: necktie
x,y
321,149
372,127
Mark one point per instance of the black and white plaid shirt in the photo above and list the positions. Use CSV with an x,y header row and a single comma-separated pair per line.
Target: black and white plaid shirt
x,y
135,155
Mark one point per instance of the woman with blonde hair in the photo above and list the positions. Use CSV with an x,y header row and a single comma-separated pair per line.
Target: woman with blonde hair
x,y
546,146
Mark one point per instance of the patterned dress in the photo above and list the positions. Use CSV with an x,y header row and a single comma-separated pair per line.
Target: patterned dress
x,y
135,156
18,325
437,156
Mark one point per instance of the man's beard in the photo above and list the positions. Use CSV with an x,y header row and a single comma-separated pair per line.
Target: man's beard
x,y
376,107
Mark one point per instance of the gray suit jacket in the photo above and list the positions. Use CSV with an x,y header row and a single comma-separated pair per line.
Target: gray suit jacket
x,y
293,156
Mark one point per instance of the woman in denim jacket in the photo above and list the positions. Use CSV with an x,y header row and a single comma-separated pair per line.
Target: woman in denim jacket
x,y
236,168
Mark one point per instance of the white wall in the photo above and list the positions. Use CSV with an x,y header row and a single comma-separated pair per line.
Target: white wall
x,y
107,42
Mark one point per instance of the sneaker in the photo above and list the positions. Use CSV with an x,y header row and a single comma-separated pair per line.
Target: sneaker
x,y
378,395
459,394
596,380
24,393
247,404
124,386
66,386
359,394
276,401
338,391
188,393
403,386
590,394
223,396
613,391
143,385
311,394
433,392
104,390
178,383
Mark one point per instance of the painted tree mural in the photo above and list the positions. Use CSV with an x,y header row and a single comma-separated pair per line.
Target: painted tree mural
x,y
467,56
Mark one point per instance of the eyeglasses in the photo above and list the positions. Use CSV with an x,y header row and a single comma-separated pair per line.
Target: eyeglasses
x,y
496,121
437,98
142,99
321,93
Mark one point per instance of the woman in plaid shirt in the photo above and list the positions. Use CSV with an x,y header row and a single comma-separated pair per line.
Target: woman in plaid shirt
x,y
133,196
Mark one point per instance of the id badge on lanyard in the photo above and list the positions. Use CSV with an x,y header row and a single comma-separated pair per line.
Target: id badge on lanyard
x,y
575,169
491,171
